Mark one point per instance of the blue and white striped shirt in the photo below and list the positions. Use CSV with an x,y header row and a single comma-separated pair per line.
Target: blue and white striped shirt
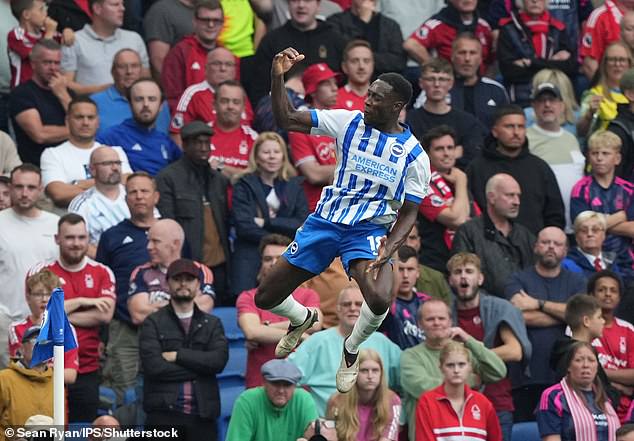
x,y
375,173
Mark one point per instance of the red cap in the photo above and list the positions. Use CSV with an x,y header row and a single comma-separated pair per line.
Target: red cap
x,y
315,74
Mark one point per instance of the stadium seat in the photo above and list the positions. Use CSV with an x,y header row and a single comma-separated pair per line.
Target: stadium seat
x,y
228,396
236,366
229,317
526,431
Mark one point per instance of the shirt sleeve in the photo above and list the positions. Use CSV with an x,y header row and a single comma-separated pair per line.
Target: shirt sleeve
x,y
513,285
108,283
425,35
51,170
206,280
69,58
392,427
432,206
137,282
125,163
142,50
329,122
16,45
246,304
592,40
549,417
156,24
301,148
418,176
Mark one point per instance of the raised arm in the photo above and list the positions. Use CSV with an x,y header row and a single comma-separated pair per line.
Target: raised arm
x,y
285,114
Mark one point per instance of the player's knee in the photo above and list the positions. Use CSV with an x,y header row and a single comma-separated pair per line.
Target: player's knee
x,y
262,298
377,302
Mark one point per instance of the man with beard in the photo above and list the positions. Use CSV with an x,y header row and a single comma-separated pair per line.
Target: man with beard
x,y
541,292
102,206
492,321
147,148
182,349
89,302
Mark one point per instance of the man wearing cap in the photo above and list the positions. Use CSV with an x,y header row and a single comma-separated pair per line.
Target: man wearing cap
x,y
314,155
195,195
182,349
623,127
549,141
276,411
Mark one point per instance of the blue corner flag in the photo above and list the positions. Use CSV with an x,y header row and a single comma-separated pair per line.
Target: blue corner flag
x,y
55,330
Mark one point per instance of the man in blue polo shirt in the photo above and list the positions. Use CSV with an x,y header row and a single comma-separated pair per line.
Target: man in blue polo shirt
x,y
147,148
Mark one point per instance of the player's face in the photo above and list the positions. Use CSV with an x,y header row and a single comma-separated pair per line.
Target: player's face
x,y
369,377
110,11
436,85
221,66
207,24
534,7
73,242
349,307
465,281
269,157
37,298
406,275
583,367
145,99
5,196
126,69
510,131
466,58
229,105
279,392
380,107
603,160
455,368
25,189
590,235
325,96
183,287
141,196
359,65
548,108
435,321
608,293
270,254
83,122
442,153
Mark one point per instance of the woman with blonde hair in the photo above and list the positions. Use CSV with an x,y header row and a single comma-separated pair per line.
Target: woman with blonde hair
x,y
571,106
370,411
267,198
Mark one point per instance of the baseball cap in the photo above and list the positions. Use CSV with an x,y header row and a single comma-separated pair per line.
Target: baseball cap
x,y
627,80
315,74
546,88
196,128
281,370
30,333
183,266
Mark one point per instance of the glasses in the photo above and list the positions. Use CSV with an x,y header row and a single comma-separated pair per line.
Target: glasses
x,y
349,304
128,66
40,294
617,60
211,21
108,163
593,230
227,64
439,80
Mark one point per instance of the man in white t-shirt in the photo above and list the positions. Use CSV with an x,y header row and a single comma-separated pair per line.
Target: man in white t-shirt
x,y
65,169
26,237
103,206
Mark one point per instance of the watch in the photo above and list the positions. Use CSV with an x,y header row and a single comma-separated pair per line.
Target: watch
x,y
541,304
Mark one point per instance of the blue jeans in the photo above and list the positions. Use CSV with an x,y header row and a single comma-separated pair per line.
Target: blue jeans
x,y
506,423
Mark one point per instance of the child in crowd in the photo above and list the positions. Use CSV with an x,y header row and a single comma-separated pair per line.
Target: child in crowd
x,y
625,433
34,25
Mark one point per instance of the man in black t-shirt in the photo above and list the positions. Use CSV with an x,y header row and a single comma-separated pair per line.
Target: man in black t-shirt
x,y
38,107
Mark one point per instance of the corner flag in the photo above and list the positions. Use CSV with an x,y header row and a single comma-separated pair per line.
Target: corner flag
x,y
55,330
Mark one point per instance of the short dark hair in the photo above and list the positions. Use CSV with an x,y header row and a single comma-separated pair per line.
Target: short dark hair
x,y
19,6
78,100
505,110
625,429
229,83
592,281
141,174
143,80
465,36
273,239
437,132
5,180
27,167
439,65
357,42
71,219
401,88
405,252
578,307
206,4
45,43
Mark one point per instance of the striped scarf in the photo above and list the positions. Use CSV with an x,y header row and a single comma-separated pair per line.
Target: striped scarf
x,y
539,32
585,429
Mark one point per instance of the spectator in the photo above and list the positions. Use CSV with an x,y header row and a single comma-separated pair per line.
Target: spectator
x,y
317,40
506,151
530,40
541,292
113,106
147,148
7,22
5,193
599,104
370,410
578,404
381,32
268,198
182,349
184,64
122,248
429,280
604,193
26,237
449,205
276,409
197,102
420,365
618,364
436,79
195,195
623,125
89,299
625,433
587,256
454,404
101,424
627,29
103,206
149,288
400,323
492,321
38,289
504,245
263,329
9,158
314,155
601,29
38,107
66,168
243,31
232,140
358,65
475,94
25,390
318,357
436,35
86,64
276,13
547,140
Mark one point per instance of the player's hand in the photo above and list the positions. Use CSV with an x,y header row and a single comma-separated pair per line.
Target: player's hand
x,y
285,60
383,257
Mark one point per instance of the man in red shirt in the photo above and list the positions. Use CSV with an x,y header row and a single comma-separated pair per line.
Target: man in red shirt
x,y
232,140
358,65
314,155
89,301
197,102
185,63
263,329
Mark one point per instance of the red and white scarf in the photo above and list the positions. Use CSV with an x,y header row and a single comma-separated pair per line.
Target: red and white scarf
x,y
539,31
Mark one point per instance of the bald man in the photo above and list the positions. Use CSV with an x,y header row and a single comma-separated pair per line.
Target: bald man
x,y
102,206
503,245
541,292
148,285
103,422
